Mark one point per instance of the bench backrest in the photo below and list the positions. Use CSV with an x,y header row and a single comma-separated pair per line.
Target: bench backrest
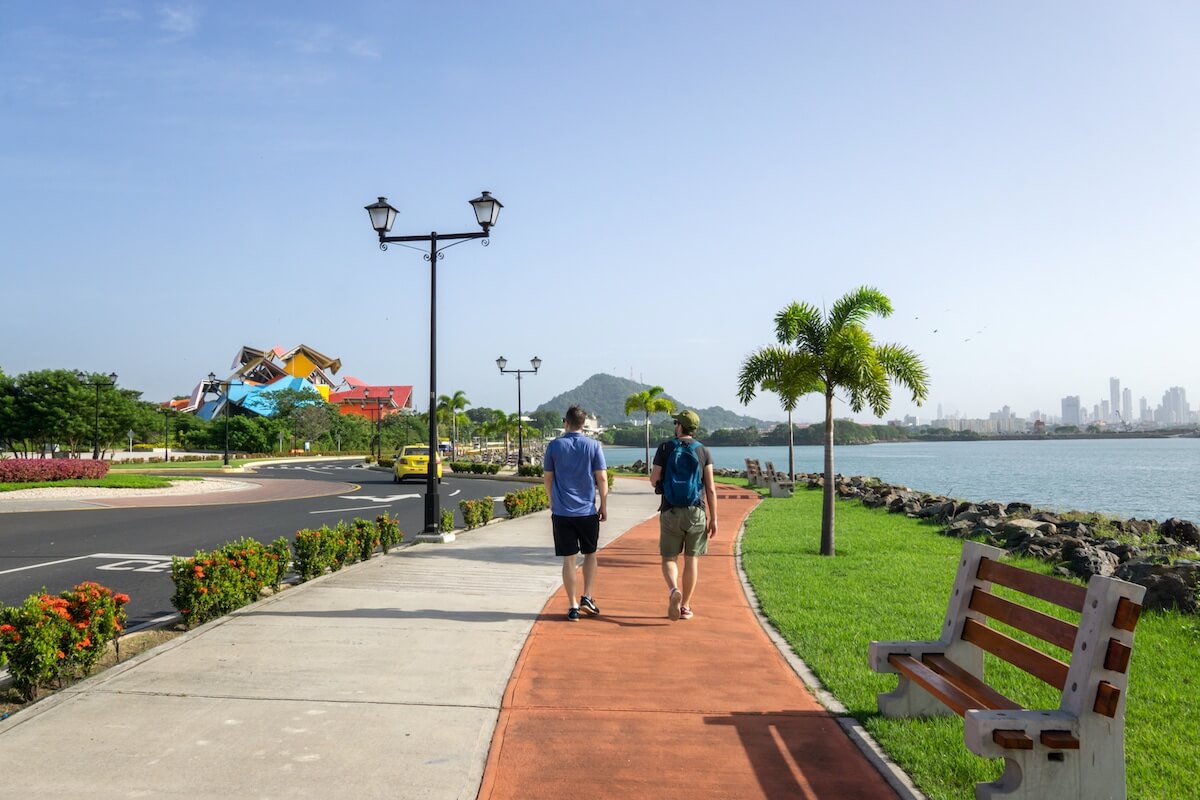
x,y
1096,677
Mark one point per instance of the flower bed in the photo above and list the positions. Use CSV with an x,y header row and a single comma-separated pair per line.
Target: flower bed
x,y
211,584
36,470
52,638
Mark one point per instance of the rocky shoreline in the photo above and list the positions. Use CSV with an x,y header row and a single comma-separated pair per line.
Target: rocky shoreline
x,y
1162,556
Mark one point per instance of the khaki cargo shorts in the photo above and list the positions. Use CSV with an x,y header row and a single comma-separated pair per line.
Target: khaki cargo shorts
x,y
682,530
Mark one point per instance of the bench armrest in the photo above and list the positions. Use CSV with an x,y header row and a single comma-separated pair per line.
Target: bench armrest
x,y
1060,727
878,652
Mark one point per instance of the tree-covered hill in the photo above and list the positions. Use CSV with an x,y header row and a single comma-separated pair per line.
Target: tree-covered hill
x,y
604,396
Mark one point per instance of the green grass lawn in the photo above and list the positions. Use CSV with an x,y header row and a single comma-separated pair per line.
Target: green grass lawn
x,y
891,580
107,482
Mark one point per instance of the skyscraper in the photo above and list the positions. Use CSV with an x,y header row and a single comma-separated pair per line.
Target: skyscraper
x,y
1126,406
1114,396
1070,410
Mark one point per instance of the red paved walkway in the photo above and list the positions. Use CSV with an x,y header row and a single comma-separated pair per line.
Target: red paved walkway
x,y
632,705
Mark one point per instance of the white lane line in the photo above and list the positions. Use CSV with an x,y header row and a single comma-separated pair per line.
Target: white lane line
x,y
391,498
456,491
103,556
47,564
355,508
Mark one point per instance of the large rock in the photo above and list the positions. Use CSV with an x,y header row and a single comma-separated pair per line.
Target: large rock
x,y
1087,561
1168,586
1181,530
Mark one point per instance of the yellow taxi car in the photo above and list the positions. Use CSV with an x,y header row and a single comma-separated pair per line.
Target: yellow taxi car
x,y
413,462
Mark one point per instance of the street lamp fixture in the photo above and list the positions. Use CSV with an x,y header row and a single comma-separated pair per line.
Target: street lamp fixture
x,y
213,381
379,403
383,216
112,381
502,362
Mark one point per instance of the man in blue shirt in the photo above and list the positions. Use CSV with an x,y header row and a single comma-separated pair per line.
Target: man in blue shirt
x,y
574,474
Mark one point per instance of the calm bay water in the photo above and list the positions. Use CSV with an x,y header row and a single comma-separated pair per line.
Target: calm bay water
x,y
1142,478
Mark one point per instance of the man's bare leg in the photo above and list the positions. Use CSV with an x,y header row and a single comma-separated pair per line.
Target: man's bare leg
x,y
691,571
589,574
569,581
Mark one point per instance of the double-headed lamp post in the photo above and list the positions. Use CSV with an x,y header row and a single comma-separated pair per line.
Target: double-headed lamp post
x,y
112,381
166,412
383,214
379,401
502,362
214,381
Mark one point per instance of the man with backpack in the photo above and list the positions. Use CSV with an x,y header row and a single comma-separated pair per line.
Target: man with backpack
x,y
687,519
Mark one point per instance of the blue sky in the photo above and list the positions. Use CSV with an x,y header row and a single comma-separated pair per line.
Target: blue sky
x,y
1022,179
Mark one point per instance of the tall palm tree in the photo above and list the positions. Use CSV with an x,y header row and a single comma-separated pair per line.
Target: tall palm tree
x,y
780,370
836,354
498,425
648,402
450,409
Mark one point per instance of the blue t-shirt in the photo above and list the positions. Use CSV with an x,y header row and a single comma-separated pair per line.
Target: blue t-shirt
x,y
573,458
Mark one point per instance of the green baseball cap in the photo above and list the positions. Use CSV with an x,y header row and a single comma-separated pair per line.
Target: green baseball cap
x,y
688,420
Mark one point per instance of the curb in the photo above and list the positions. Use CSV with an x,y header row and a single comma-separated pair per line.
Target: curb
x,y
888,769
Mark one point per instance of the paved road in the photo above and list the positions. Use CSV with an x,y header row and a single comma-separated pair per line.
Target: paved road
x,y
130,549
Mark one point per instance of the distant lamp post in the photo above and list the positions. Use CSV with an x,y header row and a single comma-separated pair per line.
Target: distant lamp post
x,y
98,384
214,381
166,412
383,215
379,402
502,362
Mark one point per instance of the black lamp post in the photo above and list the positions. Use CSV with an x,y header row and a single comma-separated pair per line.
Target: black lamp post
x,y
166,412
112,381
502,362
379,401
383,215
212,381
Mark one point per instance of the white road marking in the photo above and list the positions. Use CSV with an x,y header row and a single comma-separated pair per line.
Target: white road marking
x,y
389,499
149,563
353,508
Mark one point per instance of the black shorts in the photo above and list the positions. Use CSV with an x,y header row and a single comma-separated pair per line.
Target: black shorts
x,y
575,534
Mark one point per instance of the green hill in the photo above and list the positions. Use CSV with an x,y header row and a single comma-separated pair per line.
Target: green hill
x,y
604,396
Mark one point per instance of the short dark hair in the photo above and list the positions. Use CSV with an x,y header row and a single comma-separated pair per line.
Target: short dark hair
x,y
576,416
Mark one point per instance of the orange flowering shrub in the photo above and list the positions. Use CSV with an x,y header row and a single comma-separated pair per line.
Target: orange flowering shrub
x,y
211,584
526,501
56,637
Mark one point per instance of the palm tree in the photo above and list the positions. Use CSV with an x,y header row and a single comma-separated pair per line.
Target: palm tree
x,y
450,409
835,353
780,370
498,425
648,402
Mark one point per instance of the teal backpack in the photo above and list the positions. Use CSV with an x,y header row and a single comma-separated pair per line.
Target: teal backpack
x,y
682,482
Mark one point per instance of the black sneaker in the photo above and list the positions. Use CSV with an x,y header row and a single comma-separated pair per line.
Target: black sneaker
x,y
573,615
587,606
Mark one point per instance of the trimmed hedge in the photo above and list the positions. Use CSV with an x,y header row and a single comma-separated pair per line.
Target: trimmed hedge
x,y
526,501
36,470
211,584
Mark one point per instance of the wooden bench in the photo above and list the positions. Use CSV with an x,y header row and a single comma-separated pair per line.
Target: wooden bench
x,y
780,485
754,473
1074,751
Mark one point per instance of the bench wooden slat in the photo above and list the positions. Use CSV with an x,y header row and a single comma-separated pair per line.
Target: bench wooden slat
x,y
1052,590
1047,628
1128,613
1035,662
1013,740
1107,698
1117,657
937,685
986,695
1059,740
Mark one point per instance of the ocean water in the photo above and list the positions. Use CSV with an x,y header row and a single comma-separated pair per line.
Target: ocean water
x,y
1142,478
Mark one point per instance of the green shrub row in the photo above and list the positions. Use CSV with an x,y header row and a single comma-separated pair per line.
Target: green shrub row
x,y
526,501
477,512
530,470
211,584
475,467
331,549
447,523
58,637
